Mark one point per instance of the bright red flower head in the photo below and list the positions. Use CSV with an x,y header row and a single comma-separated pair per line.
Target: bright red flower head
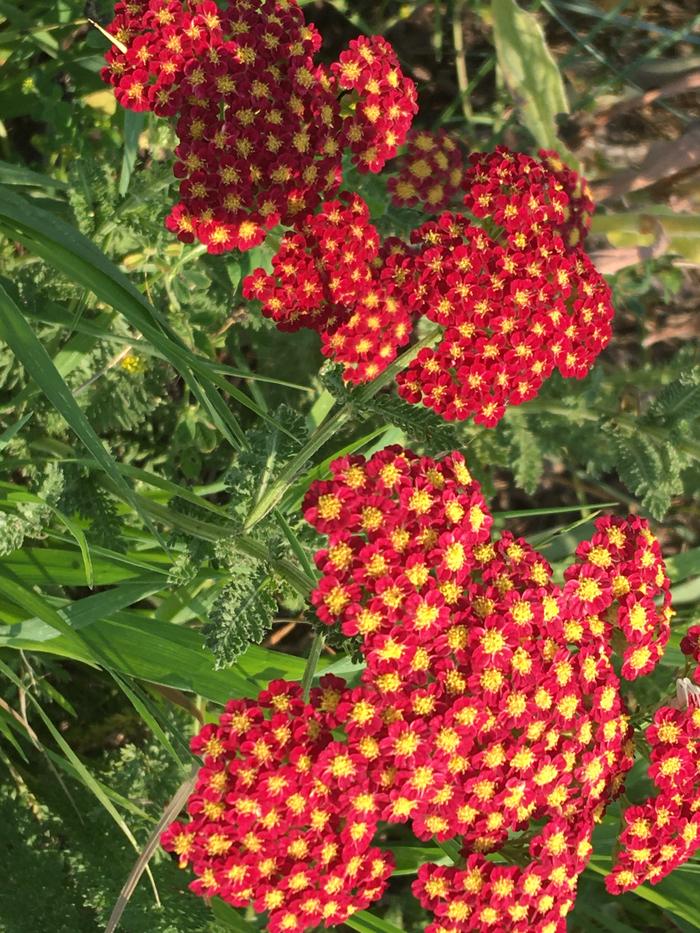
x,y
489,706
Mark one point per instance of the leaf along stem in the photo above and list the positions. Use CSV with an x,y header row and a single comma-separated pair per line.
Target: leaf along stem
x,y
311,663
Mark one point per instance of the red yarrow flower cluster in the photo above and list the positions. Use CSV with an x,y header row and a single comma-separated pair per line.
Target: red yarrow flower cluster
x,y
690,646
429,174
512,307
384,104
266,827
489,706
522,194
512,310
514,716
259,123
624,558
335,277
486,896
664,831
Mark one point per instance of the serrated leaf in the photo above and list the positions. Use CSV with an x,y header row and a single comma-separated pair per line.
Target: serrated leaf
x,y
680,399
650,472
527,466
242,613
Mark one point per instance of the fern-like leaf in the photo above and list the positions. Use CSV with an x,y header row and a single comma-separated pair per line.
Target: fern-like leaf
x,y
242,614
527,465
651,471
267,453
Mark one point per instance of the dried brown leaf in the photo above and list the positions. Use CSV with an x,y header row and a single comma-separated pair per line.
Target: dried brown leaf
x,y
663,160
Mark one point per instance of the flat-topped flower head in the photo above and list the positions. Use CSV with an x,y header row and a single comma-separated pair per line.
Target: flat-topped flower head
x,y
663,831
526,196
261,126
335,277
489,705
512,309
267,826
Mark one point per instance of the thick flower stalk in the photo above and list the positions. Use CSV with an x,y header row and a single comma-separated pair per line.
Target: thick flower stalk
x,y
261,126
489,712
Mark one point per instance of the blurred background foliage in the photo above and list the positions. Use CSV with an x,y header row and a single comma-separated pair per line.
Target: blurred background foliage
x,y
157,434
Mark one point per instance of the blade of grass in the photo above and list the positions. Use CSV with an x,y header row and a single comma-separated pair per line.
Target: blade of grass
x,y
557,510
150,720
73,528
172,808
31,602
85,776
11,174
134,123
7,435
366,922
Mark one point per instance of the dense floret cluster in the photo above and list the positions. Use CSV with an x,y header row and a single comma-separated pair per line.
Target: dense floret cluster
x,y
267,824
664,831
385,102
335,277
690,646
522,194
261,127
430,172
261,133
512,309
489,711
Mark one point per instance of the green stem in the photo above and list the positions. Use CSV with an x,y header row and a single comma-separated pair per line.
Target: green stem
x,y
311,663
329,428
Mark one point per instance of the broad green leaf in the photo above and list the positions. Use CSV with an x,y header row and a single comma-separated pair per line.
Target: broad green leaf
x,y
31,602
408,859
158,652
676,894
63,567
73,527
683,565
11,174
530,73
228,918
7,435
